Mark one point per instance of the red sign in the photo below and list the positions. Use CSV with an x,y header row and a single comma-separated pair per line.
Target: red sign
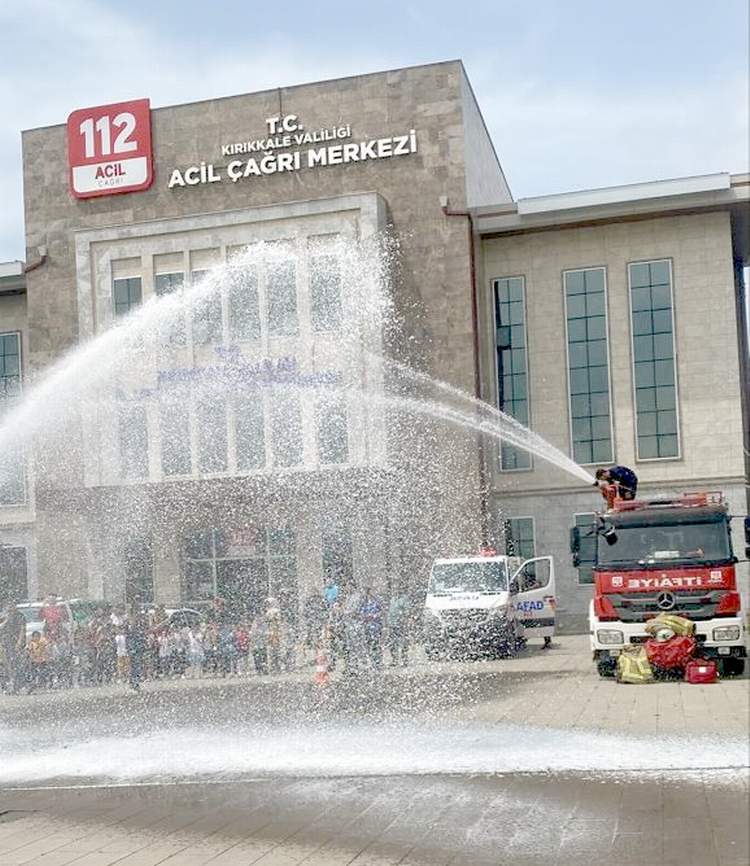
x,y
660,581
109,149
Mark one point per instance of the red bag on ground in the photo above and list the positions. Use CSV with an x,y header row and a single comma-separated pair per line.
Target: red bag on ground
x,y
670,654
700,671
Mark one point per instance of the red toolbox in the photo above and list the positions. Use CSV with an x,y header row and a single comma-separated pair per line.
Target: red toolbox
x,y
700,671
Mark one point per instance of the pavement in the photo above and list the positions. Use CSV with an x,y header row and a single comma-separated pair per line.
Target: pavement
x,y
532,760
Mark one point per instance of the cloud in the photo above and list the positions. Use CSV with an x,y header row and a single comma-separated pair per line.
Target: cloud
x,y
553,139
79,53
551,135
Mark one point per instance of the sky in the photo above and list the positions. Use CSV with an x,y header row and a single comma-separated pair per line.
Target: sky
x,y
576,93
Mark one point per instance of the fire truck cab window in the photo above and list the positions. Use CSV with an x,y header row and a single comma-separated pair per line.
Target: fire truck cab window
x,y
685,542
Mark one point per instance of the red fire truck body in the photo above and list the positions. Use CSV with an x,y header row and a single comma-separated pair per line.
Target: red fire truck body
x,y
666,555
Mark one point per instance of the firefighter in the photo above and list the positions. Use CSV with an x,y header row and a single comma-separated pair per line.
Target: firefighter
x,y
623,479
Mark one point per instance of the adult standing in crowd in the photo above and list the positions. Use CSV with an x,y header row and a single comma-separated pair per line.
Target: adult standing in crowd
x,y
372,620
316,615
136,637
398,628
354,633
13,644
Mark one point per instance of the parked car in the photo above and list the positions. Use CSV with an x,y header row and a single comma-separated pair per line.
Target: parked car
x,y
32,613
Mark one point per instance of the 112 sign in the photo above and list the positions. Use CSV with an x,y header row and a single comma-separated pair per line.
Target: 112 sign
x,y
109,149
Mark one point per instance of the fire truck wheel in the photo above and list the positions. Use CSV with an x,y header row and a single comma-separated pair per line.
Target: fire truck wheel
x,y
732,667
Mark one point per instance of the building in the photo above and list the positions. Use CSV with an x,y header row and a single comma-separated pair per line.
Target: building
x,y
609,321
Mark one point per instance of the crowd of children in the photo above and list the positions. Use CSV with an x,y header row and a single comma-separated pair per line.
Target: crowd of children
x,y
118,645
121,645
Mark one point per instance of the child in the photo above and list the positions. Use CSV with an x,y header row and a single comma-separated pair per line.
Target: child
x,y
242,645
62,660
123,660
196,654
39,658
165,652
227,650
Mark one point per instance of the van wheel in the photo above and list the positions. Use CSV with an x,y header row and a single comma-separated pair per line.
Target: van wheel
x,y
605,669
732,667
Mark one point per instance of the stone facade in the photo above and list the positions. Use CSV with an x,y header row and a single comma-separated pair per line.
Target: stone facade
x,y
91,242
699,247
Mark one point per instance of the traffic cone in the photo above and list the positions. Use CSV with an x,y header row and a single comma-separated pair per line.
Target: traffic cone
x,y
321,668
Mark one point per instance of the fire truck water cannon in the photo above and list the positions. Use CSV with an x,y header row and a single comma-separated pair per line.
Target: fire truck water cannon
x,y
665,555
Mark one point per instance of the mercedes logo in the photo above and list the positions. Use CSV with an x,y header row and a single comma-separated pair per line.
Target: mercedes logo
x,y
665,601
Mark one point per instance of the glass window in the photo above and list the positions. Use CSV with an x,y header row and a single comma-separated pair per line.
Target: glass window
x,y
211,415
588,365
10,365
325,293
207,324
133,439
244,565
244,309
653,359
586,524
172,331
281,299
12,461
338,555
174,430
286,429
199,580
127,294
250,435
522,537
510,339
332,431
13,574
139,571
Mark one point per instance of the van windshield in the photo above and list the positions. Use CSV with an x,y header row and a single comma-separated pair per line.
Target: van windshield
x,y
453,577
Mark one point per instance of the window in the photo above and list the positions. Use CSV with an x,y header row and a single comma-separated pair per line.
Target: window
x,y
510,341
244,311
587,552
12,462
588,365
138,561
13,574
127,295
654,359
172,331
174,427
338,556
244,566
211,416
281,298
325,293
250,435
522,536
133,438
10,365
286,429
332,430
207,323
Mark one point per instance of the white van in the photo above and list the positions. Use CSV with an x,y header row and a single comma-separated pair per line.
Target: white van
x,y
488,604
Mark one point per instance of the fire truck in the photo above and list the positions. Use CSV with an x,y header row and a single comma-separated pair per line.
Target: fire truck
x,y
665,555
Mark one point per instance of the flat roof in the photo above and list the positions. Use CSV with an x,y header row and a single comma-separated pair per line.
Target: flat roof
x,y
285,87
12,277
707,192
